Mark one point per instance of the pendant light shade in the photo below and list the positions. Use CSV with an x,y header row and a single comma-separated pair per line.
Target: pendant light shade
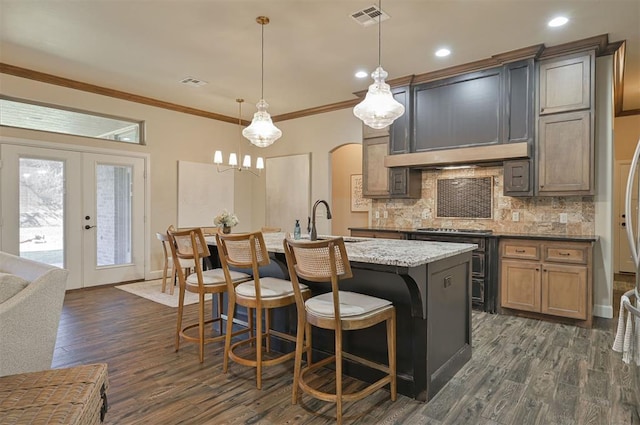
x,y
262,132
379,109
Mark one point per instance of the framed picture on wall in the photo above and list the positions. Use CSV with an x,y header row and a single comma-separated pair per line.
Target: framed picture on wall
x,y
358,203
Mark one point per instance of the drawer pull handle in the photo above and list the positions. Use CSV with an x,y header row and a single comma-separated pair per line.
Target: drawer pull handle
x,y
520,251
566,254
447,281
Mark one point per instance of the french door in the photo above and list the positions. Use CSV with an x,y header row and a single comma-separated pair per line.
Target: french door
x,y
81,211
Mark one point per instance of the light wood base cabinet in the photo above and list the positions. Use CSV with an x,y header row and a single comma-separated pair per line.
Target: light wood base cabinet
x,y
545,278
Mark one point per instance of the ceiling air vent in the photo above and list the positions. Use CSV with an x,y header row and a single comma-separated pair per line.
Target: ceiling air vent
x,y
194,82
369,16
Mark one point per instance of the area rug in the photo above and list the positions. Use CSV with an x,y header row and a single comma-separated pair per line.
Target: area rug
x,y
152,290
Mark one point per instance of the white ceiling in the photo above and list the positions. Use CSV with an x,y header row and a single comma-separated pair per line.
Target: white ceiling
x,y
312,48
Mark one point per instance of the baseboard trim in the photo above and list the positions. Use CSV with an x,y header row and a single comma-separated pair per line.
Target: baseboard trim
x,y
605,311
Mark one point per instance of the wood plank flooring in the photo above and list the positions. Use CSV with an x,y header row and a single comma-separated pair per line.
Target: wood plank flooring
x,y
522,372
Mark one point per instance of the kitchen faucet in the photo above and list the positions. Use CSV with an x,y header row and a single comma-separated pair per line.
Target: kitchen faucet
x,y
314,235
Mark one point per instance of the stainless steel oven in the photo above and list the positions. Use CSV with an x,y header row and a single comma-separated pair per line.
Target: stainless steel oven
x,y
484,283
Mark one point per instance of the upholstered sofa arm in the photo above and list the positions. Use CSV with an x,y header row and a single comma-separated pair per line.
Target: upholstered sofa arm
x,y
29,320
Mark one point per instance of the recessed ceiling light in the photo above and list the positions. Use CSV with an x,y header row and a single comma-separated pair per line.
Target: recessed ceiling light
x,y
361,74
443,52
558,21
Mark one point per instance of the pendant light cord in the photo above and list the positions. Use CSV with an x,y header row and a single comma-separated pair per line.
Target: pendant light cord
x,y
379,31
262,65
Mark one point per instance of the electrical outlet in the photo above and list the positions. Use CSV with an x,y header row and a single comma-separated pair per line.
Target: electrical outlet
x,y
385,214
515,216
425,214
377,214
563,217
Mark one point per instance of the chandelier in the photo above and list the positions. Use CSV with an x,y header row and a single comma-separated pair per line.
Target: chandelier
x,y
379,109
233,163
262,132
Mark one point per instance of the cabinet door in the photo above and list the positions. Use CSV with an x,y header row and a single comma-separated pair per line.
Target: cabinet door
x,y
520,285
405,182
518,102
565,84
565,154
457,112
564,290
375,176
401,128
517,178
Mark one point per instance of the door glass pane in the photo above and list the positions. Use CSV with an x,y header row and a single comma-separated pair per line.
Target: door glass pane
x,y
113,206
42,210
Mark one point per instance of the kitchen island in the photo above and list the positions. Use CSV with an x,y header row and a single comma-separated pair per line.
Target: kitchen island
x,y
429,283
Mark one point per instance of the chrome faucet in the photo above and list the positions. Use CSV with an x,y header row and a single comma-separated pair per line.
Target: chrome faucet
x,y
314,235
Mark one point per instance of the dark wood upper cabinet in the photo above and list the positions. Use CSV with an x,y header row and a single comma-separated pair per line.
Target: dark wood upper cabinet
x,y
401,128
519,94
459,111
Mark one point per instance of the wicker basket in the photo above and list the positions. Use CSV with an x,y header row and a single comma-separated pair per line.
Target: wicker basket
x,y
75,395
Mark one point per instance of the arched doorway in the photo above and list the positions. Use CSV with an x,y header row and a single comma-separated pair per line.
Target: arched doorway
x,y
346,160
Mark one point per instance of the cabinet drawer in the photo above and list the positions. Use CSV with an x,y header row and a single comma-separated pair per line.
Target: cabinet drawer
x,y
565,254
377,234
525,251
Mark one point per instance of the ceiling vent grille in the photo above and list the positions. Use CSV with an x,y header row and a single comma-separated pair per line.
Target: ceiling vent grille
x,y
193,82
369,16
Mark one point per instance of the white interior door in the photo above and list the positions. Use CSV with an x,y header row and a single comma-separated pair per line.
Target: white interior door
x,y
625,260
46,197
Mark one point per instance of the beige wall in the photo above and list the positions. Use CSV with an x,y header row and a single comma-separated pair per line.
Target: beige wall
x,y
319,135
173,136
346,160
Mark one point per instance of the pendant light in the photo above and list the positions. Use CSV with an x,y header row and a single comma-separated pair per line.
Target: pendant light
x,y
262,132
233,157
379,109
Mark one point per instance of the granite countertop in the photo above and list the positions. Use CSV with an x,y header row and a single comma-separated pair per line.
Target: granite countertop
x,y
578,238
392,252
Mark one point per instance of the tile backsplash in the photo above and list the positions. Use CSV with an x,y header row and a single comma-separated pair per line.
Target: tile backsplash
x,y
535,214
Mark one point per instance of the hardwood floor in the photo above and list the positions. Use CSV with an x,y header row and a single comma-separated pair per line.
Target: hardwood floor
x,y
523,371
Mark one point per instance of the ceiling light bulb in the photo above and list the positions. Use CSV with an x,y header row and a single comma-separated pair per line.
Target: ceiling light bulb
x,y
558,21
361,74
443,52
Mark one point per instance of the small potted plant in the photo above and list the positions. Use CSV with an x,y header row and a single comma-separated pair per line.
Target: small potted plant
x,y
226,220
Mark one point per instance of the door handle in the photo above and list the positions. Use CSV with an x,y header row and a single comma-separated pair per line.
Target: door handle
x,y
87,227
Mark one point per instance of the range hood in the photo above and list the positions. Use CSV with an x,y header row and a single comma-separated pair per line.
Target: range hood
x,y
473,155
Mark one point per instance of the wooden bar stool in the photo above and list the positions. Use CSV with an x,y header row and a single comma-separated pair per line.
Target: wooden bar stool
x,y
168,262
201,282
327,261
248,250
